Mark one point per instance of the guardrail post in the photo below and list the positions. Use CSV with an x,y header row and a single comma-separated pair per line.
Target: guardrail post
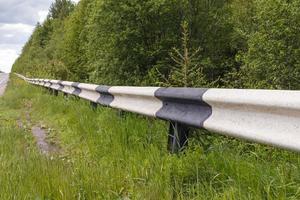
x,y
121,113
93,105
50,90
66,95
55,92
178,137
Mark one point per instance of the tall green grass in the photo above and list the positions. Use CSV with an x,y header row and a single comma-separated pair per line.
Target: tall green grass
x,y
107,156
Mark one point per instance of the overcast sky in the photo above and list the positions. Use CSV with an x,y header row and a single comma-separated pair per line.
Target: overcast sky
x,y
17,21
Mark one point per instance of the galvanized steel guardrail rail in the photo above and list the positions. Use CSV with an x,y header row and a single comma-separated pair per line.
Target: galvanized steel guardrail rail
x,y
264,116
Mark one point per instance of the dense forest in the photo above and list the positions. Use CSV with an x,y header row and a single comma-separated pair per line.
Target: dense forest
x,y
194,43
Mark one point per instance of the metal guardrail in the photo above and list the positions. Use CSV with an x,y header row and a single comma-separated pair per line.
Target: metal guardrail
x,y
264,116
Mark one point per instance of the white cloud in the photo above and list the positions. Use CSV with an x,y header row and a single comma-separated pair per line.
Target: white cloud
x,y
8,35
17,21
22,11
42,15
8,54
12,38
16,27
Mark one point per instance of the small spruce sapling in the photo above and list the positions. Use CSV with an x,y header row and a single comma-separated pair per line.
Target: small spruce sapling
x,y
187,69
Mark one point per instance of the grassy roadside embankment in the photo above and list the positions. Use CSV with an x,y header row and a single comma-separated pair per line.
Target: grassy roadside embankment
x,y
105,156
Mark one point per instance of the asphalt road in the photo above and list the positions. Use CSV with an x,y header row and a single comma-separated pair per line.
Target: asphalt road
x,y
3,82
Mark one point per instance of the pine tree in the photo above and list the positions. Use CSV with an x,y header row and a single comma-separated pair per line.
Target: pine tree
x,y
60,9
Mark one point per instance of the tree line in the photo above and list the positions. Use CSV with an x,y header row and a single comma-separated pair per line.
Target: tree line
x,y
188,43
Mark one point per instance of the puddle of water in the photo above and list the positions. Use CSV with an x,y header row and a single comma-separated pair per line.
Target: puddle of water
x,y
40,136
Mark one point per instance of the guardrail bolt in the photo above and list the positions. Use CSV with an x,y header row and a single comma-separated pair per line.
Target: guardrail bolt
x,y
178,137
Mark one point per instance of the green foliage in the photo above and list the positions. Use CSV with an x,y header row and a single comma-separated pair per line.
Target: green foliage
x,y
75,43
272,58
120,42
250,44
134,37
42,54
60,9
186,71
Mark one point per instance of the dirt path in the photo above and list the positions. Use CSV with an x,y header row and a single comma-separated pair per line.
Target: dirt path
x,y
40,133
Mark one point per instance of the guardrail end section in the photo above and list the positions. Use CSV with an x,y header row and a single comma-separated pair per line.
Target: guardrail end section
x,y
178,137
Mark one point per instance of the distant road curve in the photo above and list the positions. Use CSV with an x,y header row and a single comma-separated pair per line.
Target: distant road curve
x,y
3,82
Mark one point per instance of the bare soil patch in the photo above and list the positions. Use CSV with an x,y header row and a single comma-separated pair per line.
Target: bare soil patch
x,y
40,133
